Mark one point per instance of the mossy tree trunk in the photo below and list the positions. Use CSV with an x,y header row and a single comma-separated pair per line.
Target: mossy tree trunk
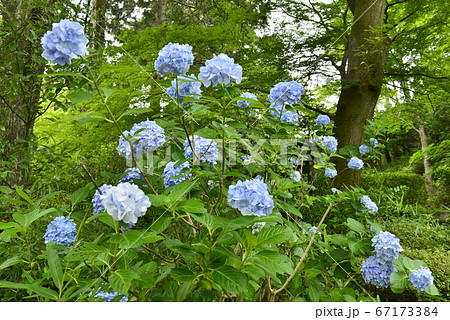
x,y
361,79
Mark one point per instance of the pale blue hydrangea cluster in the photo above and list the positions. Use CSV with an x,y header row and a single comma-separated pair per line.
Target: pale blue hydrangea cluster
x,y
170,172
330,143
387,247
65,42
289,117
220,69
244,103
378,273
373,142
125,202
62,230
187,87
296,176
322,120
149,138
174,58
204,148
355,163
251,197
369,204
314,229
97,201
421,279
330,173
257,227
286,93
334,190
132,174
363,149
108,297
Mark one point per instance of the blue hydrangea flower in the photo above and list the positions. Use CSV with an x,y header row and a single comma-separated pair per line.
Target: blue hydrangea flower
x,y
170,172
108,297
65,42
257,227
313,229
245,104
289,117
386,246
126,202
204,148
334,190
369,204
373,142
364,148
220,69
132,173
322,120
97,201
286,93
355,163
251,197
279,110
421,279
149,138
296,176
330,173
187,87
62,230
174,58
377,273
330,143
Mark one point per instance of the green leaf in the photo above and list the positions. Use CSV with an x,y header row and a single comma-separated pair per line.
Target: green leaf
x,y
7,234
161,224
108,92
86,117
79,96
191,206
79,196
182,275
277,262
136,111
412,264
121,280
64,74
355,225
338,239
135,238
289,208
273,235
22,193
432,290
5,189
206,219
44,292
10,262
180,190
231,279
339,254
399,281
36,214
54,265
158,200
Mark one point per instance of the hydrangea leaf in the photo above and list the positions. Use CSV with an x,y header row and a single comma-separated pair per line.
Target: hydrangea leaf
x,y
87,117
355,225
79,96
135,238
412,264
276,261
432,290
55,267
182,274
230,278
273,235
399,281
191,206
135,111
79,196
121,280
161,224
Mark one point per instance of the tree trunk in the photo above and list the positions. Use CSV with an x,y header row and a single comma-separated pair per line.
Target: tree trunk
x,y
362,80
162,7
98,20
20,87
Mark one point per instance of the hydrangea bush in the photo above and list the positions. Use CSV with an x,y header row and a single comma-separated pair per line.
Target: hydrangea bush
x,y
198,221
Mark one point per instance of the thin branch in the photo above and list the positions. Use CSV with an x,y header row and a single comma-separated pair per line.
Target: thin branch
x,y
417,29
416,74
90,177
12,110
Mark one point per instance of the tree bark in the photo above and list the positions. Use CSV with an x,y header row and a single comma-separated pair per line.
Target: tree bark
x,y
162,7
98,21
362,80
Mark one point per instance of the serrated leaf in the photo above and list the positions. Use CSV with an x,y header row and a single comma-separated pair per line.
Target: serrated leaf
x,y
136,111
231,279
412,264
79,196
79,96
86,251
36,214
355,225
121,280
289,208
135,238
161,224
399,281
273,235
432,290
182,275
338,239
191,206
276,261
158,200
